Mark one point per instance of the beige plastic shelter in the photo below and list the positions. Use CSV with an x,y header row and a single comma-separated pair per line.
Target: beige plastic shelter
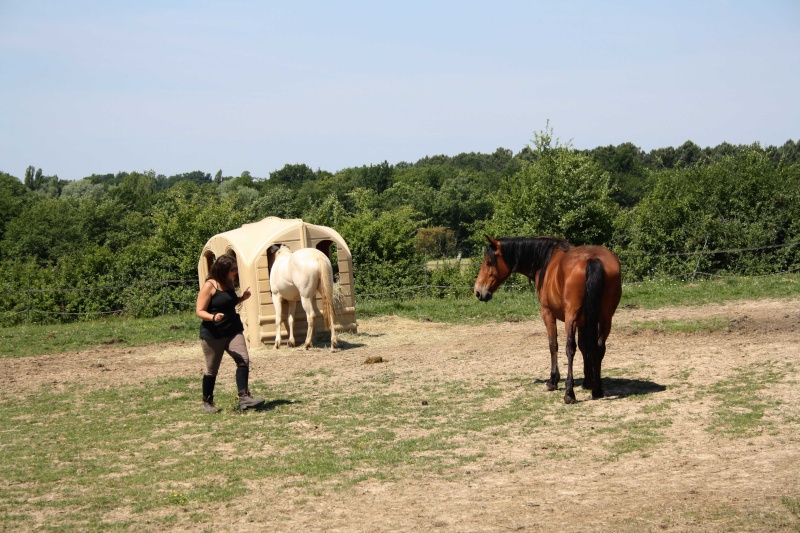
x,y
250,245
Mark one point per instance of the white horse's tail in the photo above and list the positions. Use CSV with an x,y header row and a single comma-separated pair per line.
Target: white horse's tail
x,y
326,288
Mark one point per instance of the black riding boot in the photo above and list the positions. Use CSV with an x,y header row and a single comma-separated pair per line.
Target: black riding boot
x,y
208,395
246,401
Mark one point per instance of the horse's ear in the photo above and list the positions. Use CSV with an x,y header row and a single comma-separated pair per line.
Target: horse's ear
x,y
494,243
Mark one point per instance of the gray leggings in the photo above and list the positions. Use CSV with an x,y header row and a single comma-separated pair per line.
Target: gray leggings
x,y
213,349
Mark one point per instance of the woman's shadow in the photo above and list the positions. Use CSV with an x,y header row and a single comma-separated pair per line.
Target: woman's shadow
x,y
274,404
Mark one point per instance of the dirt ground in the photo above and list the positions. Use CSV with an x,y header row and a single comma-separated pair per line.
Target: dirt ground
x,y
693,480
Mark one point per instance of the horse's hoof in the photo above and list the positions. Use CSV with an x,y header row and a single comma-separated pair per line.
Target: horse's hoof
x,y
549,387
569,399
277,346
596,395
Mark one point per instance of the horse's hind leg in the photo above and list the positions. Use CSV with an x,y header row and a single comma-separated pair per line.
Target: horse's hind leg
x,y
604,330
334,338
276,299
290,322
552,339
308,306
588,365
569,395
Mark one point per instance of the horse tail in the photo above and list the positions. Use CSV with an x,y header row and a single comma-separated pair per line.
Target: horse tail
x,y
595,284
326,288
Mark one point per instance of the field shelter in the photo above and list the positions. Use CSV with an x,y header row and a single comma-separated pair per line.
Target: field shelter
x,y
251,245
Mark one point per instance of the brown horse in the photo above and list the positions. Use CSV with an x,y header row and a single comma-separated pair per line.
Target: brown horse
x,y
579,285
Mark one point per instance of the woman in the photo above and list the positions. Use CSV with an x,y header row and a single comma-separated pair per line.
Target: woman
x,y
221,331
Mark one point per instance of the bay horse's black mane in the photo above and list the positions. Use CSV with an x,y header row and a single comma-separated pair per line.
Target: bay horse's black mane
x,y
530,253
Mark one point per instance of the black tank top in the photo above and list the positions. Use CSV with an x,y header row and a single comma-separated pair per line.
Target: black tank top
x,y
222,302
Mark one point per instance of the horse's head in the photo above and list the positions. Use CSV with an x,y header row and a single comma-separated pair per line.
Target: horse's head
x,y
277,249
493,273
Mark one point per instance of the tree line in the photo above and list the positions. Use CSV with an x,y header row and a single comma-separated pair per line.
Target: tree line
x,y
98,244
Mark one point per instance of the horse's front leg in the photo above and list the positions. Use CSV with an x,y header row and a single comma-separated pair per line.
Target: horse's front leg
x,y
276,300
570,326
290,321
552,340
308,306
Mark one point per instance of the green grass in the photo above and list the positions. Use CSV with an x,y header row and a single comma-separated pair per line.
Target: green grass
x,y
505,305
148,448
742,405
144,456
705,325
793,504
522,304
652,295
29,340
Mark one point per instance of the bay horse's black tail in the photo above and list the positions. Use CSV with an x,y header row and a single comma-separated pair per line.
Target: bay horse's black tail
x,y
595,284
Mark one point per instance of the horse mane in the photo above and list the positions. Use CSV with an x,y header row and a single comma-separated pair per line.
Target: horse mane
x,y
530,253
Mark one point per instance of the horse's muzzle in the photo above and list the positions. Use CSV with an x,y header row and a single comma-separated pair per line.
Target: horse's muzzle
x,y
483,295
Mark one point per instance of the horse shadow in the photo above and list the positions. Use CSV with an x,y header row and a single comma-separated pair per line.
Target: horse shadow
x,y
622,388
344,345
618,388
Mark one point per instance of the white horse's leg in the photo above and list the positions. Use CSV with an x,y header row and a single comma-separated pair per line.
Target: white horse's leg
x,y
292,305
276,300
334,338
311,315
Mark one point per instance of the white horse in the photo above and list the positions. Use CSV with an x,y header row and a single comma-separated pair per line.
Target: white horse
x,y
298,276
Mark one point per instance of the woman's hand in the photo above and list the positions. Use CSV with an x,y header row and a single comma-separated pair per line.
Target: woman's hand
x,y
245,295
218,317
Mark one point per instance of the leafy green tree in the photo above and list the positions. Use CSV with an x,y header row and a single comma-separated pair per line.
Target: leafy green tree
x,y
688,154
312,192
329,213
83,189
630,178
184,219
292,175
662,158
383,248
375,177
274,201
461,201
13,197
561,193
739,201
436,242
198,177
137,191
45,229
29,174
107,180
417,194
110,224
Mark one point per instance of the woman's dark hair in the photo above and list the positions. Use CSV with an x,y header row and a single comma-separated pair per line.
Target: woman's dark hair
x,y
220,269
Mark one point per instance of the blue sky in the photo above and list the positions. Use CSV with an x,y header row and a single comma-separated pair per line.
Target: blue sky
x,y
176,86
